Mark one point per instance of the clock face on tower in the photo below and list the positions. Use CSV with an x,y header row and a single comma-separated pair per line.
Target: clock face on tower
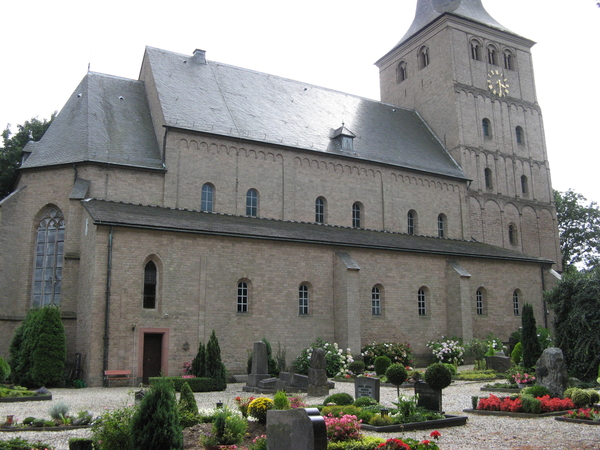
x,y
497,84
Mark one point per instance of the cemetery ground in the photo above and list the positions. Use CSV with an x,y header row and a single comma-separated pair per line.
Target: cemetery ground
x,y
480,432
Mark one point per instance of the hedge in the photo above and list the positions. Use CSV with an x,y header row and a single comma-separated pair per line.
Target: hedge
x,y
198,384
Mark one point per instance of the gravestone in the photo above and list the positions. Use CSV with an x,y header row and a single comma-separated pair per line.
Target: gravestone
x,y
260,367
296,429
499,363
318,385
551,371
367,387
428,398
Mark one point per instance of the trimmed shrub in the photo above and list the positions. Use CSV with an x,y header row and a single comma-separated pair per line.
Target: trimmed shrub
x,y
195,384
580,397
337,360
188,408
438,376
361,402
280,400
340,399
594,396
258,408
536,391
531,405
398,353
81,444
451,368
357,367
339,411
517,354
396,374
19,443
532,349
381,364
155,425
112,431
4,370
366,443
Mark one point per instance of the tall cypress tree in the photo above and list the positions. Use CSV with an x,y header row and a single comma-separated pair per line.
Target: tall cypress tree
x,y
532,349
199,362
214,366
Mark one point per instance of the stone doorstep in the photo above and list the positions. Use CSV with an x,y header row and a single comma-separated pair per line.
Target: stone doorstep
x,y
449,421
483,412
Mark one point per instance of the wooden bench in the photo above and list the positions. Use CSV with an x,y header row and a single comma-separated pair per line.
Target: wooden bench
x,y
111,375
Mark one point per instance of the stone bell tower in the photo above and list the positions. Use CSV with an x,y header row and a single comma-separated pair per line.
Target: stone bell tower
x,y
471,79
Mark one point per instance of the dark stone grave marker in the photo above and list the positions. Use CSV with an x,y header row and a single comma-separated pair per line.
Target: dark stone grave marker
x,y
428,398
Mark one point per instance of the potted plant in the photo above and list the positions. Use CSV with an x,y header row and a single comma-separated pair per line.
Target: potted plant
x,y
523,379
228,428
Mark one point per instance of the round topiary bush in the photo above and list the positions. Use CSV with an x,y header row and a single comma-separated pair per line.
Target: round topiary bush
x,y
536,391
438,376
381,364
258,408
341,399
517,354
361,402
594,396
357,367
581,398
531,405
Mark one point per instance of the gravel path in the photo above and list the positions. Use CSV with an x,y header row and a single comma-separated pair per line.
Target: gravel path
x,y
481,432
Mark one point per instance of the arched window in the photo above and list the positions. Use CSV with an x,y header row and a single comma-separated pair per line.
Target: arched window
x,y
488,178
206,203
47,272
375,301
486,127
512,234
509,60
401,73
252,203
303,299
423,57
516,301
422,302
356,214
475,50
441,225
320,210
150,284
480,302
492,55
520,135
411,222
242,297
524,185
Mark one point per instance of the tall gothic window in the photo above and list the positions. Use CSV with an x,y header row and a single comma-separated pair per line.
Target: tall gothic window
x,y
524,185
410,222
47,273
206,203
421,302
479,302
516,301
488,178
242,297
320,210
356,214
520,135
486,127
512,234
252,203
375,301
150,283
441,226
303,299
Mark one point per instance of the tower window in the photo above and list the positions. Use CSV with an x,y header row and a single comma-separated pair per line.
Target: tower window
x,y
423,57
486,126
519,134
524,185
150,282
242,297
512,234
320,210
206,203
475,50
488,178
303,299
252,203
492,55
356,214
401,74
441,221
509,60
375,301
47,272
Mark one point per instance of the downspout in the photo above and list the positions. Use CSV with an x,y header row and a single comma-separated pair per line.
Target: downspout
x,y
107,302
544,297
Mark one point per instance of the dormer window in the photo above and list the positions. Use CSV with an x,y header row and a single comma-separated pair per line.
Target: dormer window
x,y
344,138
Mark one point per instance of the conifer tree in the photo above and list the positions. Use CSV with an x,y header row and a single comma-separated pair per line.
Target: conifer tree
x,y
155,425
532,349
187,406
199,362
214,366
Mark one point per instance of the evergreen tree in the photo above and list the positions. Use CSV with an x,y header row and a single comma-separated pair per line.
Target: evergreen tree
x,y
532,349
214,366
155,425
199,362
188,408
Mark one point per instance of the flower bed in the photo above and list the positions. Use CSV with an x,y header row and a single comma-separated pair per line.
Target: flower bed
x,y
449,421
522,406
587,416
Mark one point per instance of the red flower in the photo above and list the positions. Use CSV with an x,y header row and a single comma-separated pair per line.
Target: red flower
x,y
425,441
435,434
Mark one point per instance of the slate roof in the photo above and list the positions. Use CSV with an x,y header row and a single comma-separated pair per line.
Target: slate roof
x,y
430,10
186,221
207,96
106,120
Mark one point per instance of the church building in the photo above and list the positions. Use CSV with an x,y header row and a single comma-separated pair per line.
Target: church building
x,y
204,196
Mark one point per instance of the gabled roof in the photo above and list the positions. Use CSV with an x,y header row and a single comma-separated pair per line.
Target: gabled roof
x,y
128,215
206,96
106,120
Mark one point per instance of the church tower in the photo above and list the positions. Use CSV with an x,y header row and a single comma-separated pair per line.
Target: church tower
x,y
471,79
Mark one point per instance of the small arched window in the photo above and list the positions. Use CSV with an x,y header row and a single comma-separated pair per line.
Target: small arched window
x,y
356,214
423,57
509,60
401,73
252,203
320,210
512,234
516,302
524,185
411,222
303,299
206,203
242,297
480,302
422,302
520,135
47,272
441,225
486,127
376,301
492,54
488,178
150,284
475,50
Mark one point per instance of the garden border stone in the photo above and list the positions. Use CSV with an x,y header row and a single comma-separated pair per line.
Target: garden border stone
x,y
449,421
35,398
505,390
583,421
57,428
484,412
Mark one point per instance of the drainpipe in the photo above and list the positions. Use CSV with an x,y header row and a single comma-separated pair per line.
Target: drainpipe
x,y
544,297
107,302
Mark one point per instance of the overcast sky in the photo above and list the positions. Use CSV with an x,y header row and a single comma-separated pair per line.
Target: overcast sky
x,y
45,49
